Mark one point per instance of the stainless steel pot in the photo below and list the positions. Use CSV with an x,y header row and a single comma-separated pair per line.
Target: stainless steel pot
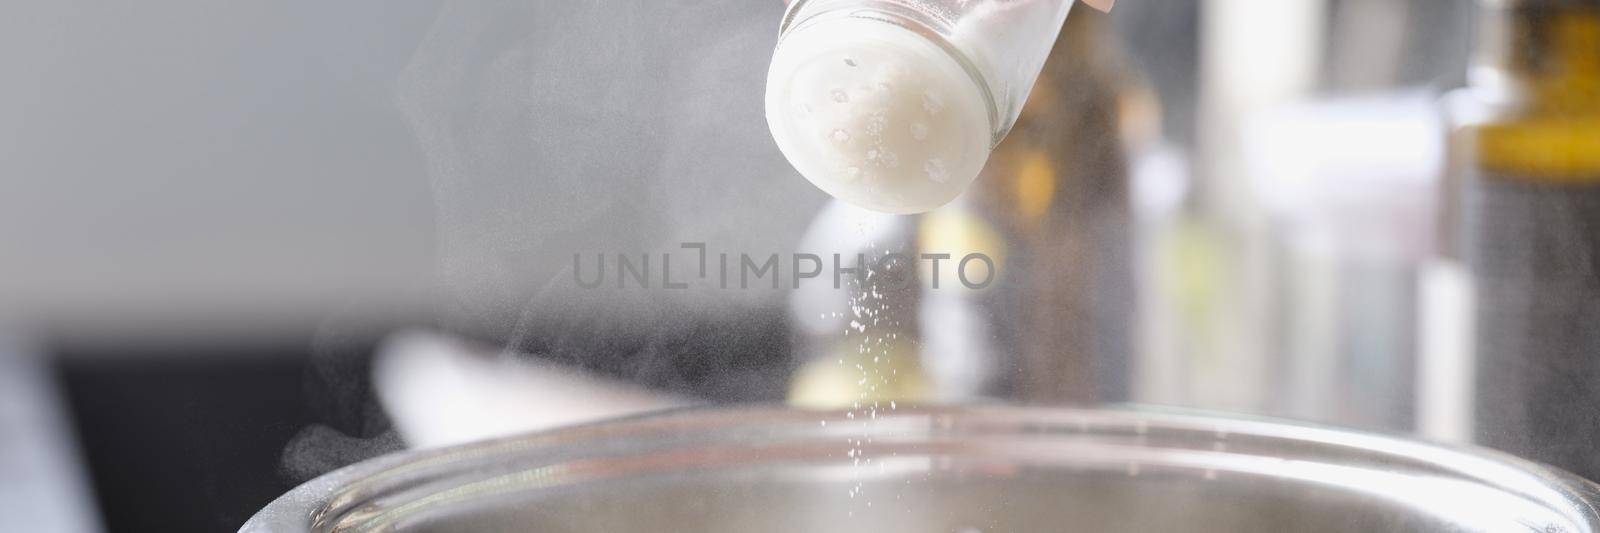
x,y
967,469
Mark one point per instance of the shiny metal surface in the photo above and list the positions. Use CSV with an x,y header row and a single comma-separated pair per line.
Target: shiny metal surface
x,y
989,469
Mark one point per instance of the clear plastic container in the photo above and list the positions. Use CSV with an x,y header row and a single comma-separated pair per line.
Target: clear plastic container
x,y
1002,44
979,469
895,105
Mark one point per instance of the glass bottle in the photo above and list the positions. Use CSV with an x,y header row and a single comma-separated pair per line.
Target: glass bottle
x,y
1527,188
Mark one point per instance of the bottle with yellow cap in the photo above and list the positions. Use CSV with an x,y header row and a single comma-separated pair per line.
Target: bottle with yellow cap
x,y
1528,223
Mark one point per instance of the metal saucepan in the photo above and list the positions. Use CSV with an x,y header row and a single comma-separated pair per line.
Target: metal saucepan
x,y
958,469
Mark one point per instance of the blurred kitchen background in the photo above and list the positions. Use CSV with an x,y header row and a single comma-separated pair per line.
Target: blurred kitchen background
x,y
242,244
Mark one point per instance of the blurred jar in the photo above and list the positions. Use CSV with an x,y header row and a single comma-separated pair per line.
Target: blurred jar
x,y
1057,192
1050,212
1527,222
